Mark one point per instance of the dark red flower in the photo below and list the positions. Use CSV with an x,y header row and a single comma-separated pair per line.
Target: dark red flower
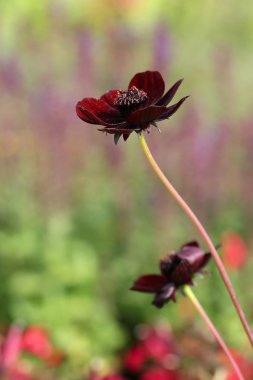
x,y
123,111
176,270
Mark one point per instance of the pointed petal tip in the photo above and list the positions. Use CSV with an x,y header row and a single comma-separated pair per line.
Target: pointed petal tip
x,y
169,95
117,137
172,109
126,136
180,81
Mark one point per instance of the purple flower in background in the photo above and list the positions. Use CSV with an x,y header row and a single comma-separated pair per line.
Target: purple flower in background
x,y
163,47
122,112
177,270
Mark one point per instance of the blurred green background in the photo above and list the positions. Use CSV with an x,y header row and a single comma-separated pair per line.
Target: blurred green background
x,y
81,218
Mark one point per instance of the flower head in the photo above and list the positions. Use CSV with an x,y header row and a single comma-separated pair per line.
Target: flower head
x,y
176,269
122,112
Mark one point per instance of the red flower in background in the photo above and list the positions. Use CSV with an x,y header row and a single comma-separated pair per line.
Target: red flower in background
x,y
95,376
122,112
153,357
159,344
235,250
177,270
155,346
134,359
160,374
157,356
35,340
244,363
19,373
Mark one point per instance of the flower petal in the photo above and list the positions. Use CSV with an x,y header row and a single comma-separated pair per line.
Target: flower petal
x,y
93,119
182,273
109,98
87,117
207,257
195,257
192,243
145,115
168,264
149,283
151,82
117,137
165,294
125,136
166,99
97,111
172,109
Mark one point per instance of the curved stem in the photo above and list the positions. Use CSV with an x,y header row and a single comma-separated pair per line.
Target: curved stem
x,y
204,235
215,333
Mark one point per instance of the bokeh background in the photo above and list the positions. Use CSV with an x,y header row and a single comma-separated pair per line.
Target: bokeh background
x,y
81,218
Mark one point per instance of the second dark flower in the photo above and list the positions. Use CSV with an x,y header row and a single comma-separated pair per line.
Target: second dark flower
x,y
176,270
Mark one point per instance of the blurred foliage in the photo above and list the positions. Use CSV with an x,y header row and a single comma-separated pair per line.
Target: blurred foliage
x,y
81,218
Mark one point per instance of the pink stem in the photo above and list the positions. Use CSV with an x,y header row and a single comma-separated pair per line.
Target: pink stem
x,y
213,330
204,235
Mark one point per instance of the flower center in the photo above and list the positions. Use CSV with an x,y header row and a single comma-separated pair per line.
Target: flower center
x,y
130,98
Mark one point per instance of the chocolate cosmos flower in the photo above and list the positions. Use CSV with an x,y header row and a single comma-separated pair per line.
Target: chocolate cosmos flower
x,y
177,270
121,112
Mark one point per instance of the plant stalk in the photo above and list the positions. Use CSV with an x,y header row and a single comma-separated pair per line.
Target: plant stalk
x,y
203,233
188,291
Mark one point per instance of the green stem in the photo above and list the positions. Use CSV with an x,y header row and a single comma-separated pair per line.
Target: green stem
x,y
188,291
203,233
